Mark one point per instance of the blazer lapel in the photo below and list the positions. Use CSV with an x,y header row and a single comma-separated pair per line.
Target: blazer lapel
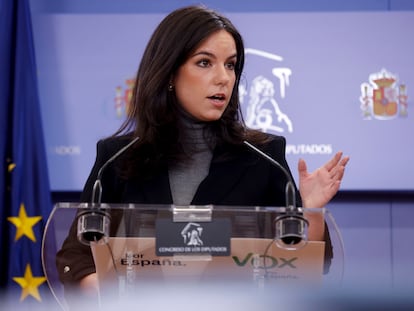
x,y
223,176
157,190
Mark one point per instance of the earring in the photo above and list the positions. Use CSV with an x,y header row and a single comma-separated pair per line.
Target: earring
x,y
170,87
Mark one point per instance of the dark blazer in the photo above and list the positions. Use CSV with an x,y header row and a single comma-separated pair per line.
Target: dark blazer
x,y
236,177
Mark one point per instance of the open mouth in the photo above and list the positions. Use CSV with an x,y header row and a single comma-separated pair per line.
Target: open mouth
x,y
219,97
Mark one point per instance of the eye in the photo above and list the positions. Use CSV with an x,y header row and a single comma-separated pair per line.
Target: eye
x,y
203,63
231,65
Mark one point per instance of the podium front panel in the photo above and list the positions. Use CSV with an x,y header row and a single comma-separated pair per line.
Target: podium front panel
x,y
202,244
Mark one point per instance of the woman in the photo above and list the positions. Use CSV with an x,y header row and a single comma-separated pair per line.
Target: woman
x,y
185,110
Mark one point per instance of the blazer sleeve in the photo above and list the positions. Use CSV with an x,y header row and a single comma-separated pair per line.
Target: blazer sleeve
x,y
74,260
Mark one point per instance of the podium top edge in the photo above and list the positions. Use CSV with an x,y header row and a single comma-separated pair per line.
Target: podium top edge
x,y
172,207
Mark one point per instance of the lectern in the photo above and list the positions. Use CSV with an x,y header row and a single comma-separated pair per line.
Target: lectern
x,y
138,245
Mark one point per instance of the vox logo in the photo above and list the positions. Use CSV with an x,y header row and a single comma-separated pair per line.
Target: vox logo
x,y
265,261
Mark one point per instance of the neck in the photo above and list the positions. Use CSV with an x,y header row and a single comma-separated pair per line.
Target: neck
x,y
194,134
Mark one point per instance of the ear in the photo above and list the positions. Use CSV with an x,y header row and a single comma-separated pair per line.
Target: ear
x,y
171,84
172,80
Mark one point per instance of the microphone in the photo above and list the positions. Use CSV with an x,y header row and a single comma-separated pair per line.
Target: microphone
x,y
93,223
291,227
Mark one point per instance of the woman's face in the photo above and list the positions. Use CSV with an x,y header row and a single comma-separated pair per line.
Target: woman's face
x,y
204,83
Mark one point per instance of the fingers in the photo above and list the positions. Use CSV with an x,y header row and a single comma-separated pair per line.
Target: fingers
x,y
334,168
338,171
302,168
334,161
344,161
337,161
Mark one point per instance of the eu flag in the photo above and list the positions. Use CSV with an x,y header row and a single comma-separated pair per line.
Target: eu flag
x,y
25,200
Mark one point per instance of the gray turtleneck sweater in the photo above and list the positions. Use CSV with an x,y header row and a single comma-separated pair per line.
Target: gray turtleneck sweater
x,y
186,176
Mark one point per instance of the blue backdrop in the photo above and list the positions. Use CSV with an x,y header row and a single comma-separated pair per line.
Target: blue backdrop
x,y
325,73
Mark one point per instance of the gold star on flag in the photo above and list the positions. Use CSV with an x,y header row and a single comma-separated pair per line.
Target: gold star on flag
x,y
24,224
29,284
11,167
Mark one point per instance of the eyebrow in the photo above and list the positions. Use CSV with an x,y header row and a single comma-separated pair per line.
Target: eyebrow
x,y
212,55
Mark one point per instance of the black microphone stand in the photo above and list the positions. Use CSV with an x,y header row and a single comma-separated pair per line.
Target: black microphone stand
x,y
290,227
94,221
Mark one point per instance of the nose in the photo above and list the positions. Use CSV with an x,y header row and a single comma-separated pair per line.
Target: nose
x,y
222,75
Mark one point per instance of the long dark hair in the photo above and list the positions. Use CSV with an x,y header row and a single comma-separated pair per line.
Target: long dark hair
x,y
153,109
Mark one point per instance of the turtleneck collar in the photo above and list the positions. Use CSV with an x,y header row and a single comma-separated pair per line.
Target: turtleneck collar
x,y
195,135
